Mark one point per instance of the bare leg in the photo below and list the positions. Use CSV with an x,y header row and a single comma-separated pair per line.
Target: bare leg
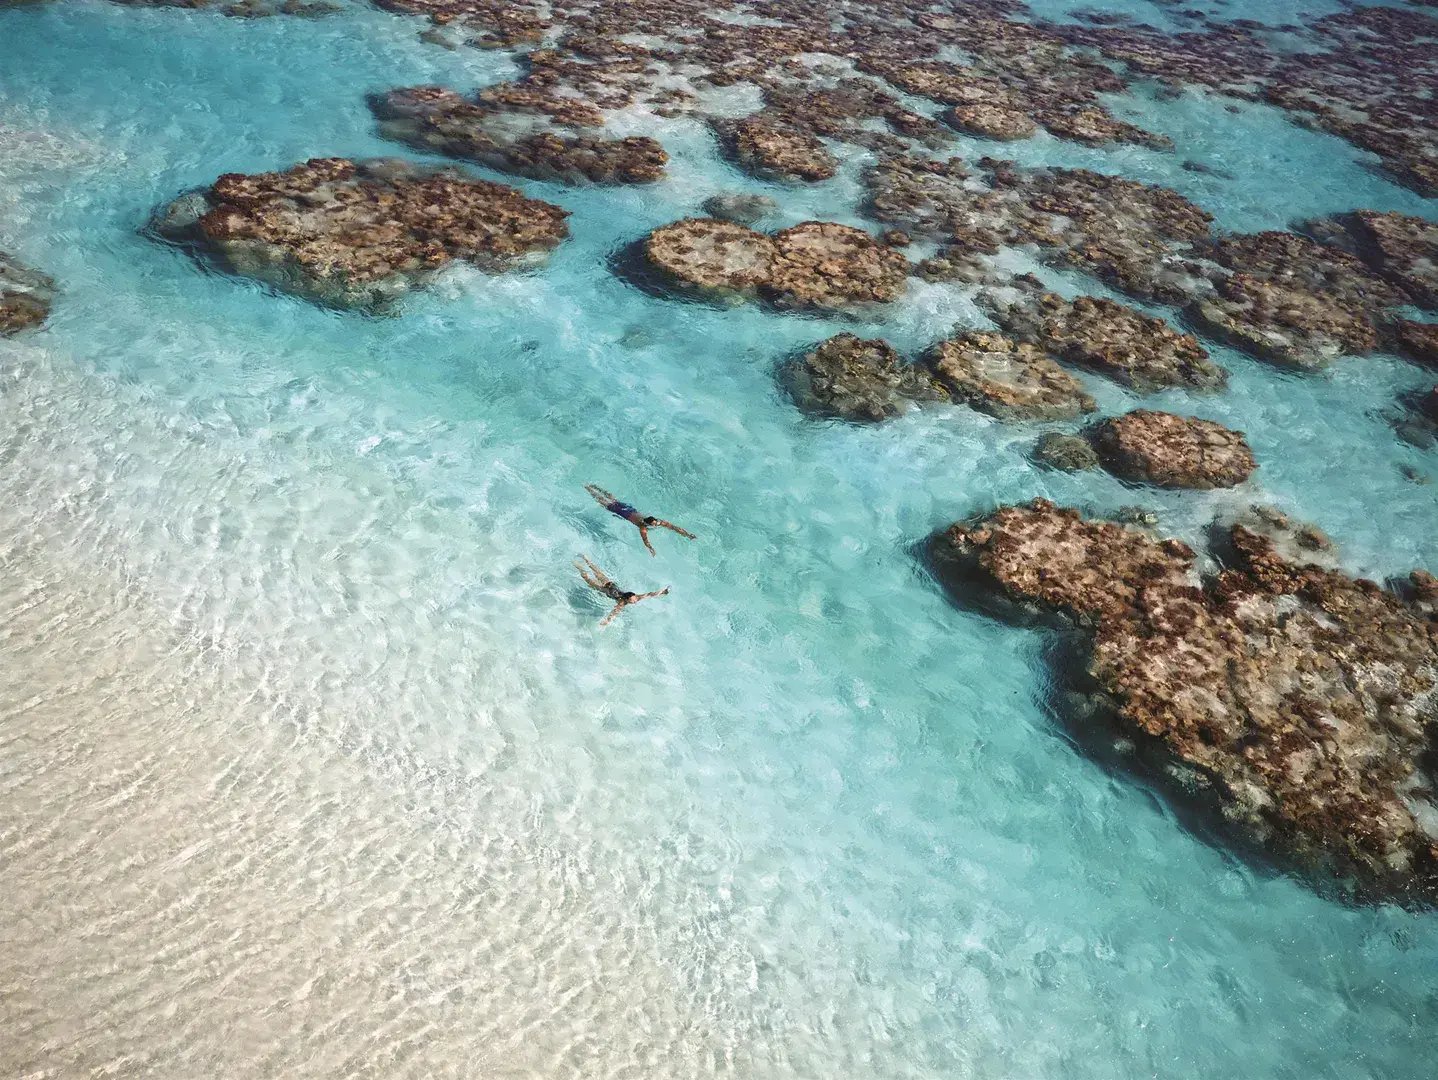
x,y
592,575
602,497
604,579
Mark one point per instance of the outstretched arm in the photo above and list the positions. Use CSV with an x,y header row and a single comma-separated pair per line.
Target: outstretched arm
x,y
650,595
644,535
675,528
615,611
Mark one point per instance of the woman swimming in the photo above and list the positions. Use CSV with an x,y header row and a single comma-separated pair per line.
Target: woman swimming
x,y
599,581
643,522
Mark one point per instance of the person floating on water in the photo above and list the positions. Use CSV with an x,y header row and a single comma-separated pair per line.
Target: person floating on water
x,y
643,522
599,581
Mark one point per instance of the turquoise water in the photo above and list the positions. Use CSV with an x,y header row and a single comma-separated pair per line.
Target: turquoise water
x,y
315,764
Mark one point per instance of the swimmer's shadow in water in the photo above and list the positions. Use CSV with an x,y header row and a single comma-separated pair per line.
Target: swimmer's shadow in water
x,y
1086,717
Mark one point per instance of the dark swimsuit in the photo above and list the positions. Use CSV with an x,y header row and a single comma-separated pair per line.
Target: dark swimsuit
x,y
622,509
614,592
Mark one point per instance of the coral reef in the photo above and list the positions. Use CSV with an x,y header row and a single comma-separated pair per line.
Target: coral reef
x,y
25,296
1102,335
774,151
1402,250
1172,451
743,207
1067,453
528,135
359,234
814,265
1291,698
849,378
1288,299
1007,379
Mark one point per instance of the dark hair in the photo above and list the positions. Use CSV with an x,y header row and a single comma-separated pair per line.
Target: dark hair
x,y
651,520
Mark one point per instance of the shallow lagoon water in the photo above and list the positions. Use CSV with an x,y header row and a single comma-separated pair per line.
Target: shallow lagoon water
x,y
314,763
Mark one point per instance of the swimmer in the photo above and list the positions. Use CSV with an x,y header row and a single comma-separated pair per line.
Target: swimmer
x,y
643,522
599,581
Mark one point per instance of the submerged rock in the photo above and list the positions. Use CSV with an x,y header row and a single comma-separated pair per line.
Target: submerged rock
x,y
743,207
359,234
1289,299
1007,379
850,378
245,9
1128,346
989,121
824,265
1172,451
772,150
1019,80
719,260
1417,423
525,133
1415,340
815,265
1067,453
1123,232
1293,699
25,296
1401,249
496,24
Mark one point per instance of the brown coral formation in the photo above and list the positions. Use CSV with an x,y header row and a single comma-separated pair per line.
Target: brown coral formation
x,y
827,69
1342,80
774,151
525,134
744,207
1294,700
1121,231
820,264
1007,379
1023,71
823,71
711,258
849,378
25,296
1282,296
246,9
1289,299
1416,340
1067,453
359,234
1170,451
1402,250
990,121
493,23
816,265
1113,339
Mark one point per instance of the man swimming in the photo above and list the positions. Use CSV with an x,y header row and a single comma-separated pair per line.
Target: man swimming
x,y
599,581
642,522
